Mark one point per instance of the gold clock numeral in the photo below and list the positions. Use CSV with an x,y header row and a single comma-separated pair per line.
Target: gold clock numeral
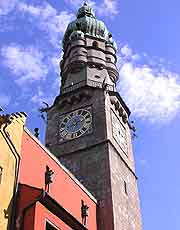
x,y
84,128
88,119
64,133
66,119
86,125
79,133
79,112
84,112
87,115
68,136
61,130
62,125
74,135
70,116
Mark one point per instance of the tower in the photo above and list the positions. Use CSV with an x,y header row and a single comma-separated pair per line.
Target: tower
x,y
88,128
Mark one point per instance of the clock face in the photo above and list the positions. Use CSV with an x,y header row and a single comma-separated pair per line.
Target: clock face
x,y
119,132
75,124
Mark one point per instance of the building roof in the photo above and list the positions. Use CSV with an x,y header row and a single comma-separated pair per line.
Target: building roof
x,y
8,118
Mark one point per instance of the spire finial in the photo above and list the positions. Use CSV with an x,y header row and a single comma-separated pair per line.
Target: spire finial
x,y
85,2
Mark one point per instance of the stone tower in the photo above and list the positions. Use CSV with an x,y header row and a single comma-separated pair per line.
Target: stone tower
x,y
88,128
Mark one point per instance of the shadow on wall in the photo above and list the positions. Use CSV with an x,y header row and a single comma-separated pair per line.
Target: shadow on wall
x,y
8,214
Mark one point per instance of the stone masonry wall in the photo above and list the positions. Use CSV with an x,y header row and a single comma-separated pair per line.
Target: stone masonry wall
x,y
125,197
91,167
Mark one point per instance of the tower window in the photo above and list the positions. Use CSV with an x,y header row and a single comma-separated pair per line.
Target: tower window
x,y
125,188
95,44
1,173
108,59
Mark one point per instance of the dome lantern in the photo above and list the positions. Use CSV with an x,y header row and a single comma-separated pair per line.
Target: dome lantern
x,y
85,10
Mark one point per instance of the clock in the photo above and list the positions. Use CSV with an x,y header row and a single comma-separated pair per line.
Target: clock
x,y
75,124
119,132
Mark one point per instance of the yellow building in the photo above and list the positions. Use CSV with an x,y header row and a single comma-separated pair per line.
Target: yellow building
x,y
11,131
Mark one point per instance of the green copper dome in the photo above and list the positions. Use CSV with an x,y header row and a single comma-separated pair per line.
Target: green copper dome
x,y
76,35
87,23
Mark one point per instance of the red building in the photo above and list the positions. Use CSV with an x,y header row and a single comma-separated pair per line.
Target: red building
x,y
49,196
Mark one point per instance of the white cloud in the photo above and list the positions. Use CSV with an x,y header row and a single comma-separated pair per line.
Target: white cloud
x,y
6,6
126,50
48,20
78,3
40,97
105,8
25,63
151,95
108,8
126,54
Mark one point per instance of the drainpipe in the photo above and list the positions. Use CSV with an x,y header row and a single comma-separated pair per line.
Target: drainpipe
x,y
17,163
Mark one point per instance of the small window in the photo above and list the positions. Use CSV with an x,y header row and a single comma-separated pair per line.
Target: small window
x,y
95,44
125,188
50,226
108,59
1,174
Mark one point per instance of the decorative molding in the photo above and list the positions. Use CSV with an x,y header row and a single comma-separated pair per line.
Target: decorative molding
x,y
75,98
73,87
118,107
8,118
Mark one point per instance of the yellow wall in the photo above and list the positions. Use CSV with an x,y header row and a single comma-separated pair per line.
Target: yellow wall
x,y
8,163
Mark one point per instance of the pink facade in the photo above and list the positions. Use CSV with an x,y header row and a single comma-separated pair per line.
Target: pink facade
x,y
61,206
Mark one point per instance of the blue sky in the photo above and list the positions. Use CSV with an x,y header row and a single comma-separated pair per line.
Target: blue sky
x,y
148,35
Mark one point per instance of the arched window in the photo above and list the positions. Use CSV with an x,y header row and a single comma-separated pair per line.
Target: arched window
x,y
108,59
95,44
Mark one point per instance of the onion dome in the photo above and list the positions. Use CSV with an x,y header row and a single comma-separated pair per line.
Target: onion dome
x,y
87,24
